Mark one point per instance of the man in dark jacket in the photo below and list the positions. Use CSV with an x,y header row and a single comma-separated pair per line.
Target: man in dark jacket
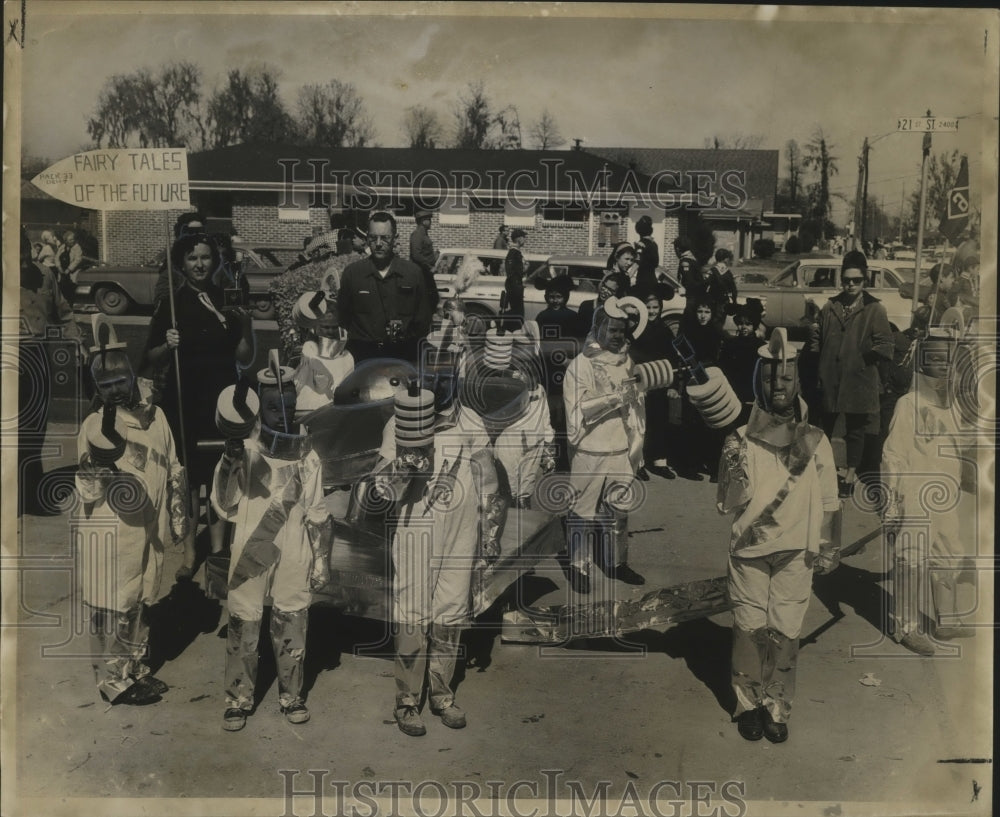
x,y
383,299
423,254
854,334
514,282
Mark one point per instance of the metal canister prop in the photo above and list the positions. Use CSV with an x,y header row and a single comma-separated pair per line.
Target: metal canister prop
x,y
654,374
499,348
414,413
715,399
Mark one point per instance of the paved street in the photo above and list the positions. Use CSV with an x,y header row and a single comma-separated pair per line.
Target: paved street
x,y
872,723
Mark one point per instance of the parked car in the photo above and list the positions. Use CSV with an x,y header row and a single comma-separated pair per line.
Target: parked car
x,y
483,297
118,290
817,280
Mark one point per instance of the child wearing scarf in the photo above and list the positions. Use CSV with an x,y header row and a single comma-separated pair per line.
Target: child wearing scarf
x,y
777,476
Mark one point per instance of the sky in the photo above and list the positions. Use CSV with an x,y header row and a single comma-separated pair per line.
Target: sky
x,y
635,81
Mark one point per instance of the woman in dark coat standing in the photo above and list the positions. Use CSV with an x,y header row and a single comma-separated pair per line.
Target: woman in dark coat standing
x,y
854,334
210,341
655,343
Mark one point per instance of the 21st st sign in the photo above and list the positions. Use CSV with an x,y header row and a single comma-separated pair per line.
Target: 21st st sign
x,y
120,179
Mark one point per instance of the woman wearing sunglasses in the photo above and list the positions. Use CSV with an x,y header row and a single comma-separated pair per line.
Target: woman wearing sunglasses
x,y
854,333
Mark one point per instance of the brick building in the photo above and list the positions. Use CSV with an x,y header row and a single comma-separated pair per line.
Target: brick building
x,y
576,201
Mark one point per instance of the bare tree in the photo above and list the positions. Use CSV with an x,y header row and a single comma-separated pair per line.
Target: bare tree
x,y
735,141
819,157
794,156
248,109
422,127
334,115
473,119
545,133
149,111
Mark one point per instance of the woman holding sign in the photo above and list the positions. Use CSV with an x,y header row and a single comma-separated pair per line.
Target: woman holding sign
x,y
212,342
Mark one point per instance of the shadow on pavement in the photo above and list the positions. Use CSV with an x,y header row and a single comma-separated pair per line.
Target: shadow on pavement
x,y
177,619
706,648
856,588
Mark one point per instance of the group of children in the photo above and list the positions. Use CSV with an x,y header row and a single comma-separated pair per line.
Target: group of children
x,y
776,475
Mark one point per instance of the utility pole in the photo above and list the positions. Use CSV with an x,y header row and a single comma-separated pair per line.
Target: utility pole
x,y
864,192
920,216
902,204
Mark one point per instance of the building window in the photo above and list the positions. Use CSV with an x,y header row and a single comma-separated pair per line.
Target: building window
x,y
454,212
295,207
565,213
518,214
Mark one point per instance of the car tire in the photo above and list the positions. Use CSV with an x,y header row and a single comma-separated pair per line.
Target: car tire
x,y
111,300
262,308
479,311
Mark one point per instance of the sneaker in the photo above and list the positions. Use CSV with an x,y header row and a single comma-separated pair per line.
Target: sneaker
x,y
409,722
626,574
578,580
774,731
234,719
155,685
750,724
451,716
295,712
918,643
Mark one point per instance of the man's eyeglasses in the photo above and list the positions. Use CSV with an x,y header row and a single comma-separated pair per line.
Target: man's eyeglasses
x,y
381,239
853,280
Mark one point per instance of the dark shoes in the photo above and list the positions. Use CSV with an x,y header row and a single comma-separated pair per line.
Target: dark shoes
x,y
918,643
451,716
409,722
578,580
690,474
154,685
234,719
295,712
845,490
626,574
751,724
642,474
774,731
138,695
664,471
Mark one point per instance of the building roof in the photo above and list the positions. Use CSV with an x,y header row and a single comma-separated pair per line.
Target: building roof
x,y
759,166
265,167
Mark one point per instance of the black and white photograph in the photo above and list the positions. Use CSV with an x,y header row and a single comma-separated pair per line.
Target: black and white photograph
x,y
498,409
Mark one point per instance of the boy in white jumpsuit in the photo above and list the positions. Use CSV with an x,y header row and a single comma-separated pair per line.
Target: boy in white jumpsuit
x,y
435,545
777,474
139,495
920,450
272,489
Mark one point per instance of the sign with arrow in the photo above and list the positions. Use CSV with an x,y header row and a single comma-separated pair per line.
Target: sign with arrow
x,y
120,179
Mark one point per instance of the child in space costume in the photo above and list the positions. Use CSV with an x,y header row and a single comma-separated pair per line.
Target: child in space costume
x,y
605,421
325,361
777,476
133,487
271,487
921,454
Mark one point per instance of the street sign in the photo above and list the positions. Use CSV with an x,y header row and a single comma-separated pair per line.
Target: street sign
x,y
120,179
927,124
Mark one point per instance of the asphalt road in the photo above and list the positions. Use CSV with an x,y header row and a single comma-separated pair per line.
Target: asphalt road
x,y
874,728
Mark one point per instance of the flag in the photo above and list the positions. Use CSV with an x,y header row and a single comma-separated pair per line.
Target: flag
x,y
956,215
